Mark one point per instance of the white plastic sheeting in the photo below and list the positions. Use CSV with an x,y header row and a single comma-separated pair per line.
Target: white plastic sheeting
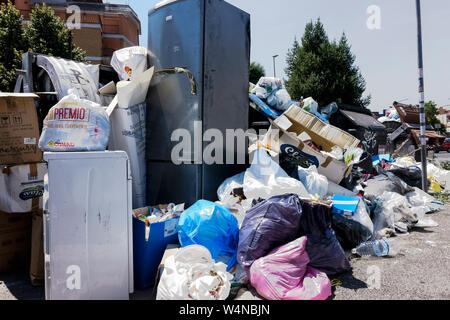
x,y
192,274
265,179
81,78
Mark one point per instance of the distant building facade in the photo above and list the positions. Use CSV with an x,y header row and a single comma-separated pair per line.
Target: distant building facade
x,y
104,27
444,117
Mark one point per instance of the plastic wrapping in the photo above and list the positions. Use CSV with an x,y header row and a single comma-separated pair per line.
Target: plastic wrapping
x,y
74,124
393,211
265,179
129,62
329,110
279,100
213,226
325,252
268,225
284,274
225,190
310,105
191,274
385,182
266,86
353,230
314,182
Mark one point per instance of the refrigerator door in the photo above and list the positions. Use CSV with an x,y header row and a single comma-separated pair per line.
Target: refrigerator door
x,y
175,40
211,39
88,226
225,87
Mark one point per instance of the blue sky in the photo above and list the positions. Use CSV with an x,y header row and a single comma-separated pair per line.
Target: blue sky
x,y
387,57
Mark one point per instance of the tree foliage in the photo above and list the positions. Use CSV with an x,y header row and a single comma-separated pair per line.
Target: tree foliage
x,y
45,34
324,69
256,72
431,112
48,35
12,43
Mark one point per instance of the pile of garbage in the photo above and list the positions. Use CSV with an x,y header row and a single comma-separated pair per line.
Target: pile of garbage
x,y
308,202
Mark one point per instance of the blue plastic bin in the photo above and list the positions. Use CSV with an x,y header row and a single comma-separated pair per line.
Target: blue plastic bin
x,y
147,255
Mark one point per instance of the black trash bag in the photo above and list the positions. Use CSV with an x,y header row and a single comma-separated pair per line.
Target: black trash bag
x,y
365,163
385,181
353,179
412,176
268,225
324,250
350,233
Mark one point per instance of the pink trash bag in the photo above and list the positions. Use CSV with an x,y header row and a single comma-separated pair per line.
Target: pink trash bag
x,y
284,274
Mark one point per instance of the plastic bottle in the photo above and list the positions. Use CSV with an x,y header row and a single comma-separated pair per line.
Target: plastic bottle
x,y
379,248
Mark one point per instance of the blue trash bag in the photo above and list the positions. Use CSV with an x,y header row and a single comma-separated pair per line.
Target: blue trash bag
x,y
212,226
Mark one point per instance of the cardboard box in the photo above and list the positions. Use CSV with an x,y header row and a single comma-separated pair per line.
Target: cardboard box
x,y
37,269
19,129
11,222
15,232
15,240
22,187
324,135
282,142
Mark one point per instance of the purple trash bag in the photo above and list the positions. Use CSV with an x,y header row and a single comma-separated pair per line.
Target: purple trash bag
x,y
268,225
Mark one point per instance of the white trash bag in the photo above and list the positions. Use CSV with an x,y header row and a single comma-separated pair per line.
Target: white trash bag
x,y
74,124
266,86
130,62
192,274
314,182
265,179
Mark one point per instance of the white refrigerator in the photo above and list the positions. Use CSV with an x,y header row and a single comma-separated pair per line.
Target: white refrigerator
x,y
88,226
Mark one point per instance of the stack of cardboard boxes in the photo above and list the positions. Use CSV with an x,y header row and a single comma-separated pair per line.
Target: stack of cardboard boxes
x,y
21,187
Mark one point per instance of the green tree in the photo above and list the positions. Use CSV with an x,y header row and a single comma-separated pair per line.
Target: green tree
x,y
324,69
431,112
256,72
12,43
48,35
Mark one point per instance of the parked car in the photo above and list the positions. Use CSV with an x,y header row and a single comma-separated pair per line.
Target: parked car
x,y
445,146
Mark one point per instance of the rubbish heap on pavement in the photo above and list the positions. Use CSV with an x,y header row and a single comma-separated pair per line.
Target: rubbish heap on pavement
x,y
311,197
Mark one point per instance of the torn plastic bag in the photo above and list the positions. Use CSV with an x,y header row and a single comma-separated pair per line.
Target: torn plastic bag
x,y
129,62
284,274
191,274
265,179
394,212
213,226
74,124
267,226
314,182
325,252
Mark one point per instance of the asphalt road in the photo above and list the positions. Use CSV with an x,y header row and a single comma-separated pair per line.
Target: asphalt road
x,y
419,271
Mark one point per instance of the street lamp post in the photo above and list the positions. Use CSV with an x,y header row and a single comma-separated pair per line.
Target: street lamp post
x,y
274,69
423,139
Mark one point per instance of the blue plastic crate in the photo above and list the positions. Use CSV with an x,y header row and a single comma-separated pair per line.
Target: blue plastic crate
x,y
148,254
